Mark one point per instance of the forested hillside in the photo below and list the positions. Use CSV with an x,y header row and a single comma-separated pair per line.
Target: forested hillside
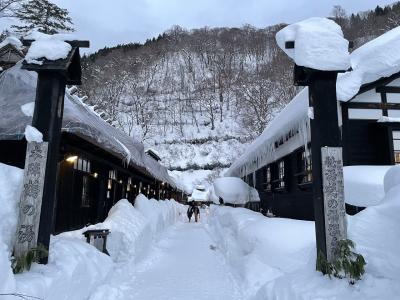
x,y
200,96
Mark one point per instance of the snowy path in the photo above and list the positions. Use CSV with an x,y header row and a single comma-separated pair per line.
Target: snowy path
x,y
182,265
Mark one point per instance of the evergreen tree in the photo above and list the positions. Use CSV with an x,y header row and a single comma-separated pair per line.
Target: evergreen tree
x,y
43,16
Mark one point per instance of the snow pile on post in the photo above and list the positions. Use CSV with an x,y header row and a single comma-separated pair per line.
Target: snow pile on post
x,y
319,44
374,60
363,185
32,134
28,109
50,49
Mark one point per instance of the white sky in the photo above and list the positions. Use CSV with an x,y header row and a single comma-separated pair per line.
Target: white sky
x,y
109,22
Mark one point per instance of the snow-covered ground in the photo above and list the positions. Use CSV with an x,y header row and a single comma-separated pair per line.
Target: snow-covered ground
x,y
233,253
183,265
275,258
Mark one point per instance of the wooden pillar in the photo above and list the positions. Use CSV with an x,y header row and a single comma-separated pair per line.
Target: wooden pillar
x,y
324,133
38,199
47,118
327,161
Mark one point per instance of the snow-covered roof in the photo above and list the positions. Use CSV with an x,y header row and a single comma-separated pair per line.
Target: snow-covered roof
x,y
377,59
18,88
292,121
11,40
199,195
153,153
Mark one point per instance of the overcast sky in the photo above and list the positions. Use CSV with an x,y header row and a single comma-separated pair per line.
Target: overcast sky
x,y
109,22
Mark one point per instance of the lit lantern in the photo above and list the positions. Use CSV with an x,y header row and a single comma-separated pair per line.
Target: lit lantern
x,y
72,158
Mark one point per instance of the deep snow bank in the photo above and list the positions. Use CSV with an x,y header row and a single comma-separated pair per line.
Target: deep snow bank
x,y
134,228
76,268
275,257
10,187
364,185
261,249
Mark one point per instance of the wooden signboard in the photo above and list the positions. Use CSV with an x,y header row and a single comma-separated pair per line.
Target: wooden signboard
x,y
334,206
31,198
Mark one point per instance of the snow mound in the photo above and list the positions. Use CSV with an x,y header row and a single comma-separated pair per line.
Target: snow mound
x,y
128,238
33,135
10,186
232,190
160,214
12,40
363,185
74,269
319,44
50,49
392,178
261,249
28,109
372,61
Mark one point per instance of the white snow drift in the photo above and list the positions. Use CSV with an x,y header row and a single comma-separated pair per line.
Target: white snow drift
x,y
75,268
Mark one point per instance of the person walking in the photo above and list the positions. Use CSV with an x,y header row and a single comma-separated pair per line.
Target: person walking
x,y
190,210
196,211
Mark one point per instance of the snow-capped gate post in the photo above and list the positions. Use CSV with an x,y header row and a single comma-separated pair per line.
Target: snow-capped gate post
x,y
320,52
38,198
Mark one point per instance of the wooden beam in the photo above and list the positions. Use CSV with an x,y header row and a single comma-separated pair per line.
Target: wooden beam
x,y
74,43
364,105
388,89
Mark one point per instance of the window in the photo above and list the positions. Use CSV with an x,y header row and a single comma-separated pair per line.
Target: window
x,y
267,176
305,167
281,174
85,192
82,164
396,146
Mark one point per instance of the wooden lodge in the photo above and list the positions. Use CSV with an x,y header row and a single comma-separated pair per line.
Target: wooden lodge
x,y
278,163
97,163
10,54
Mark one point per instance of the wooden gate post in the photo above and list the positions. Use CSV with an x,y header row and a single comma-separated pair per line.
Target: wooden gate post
x,y
327,162
38,198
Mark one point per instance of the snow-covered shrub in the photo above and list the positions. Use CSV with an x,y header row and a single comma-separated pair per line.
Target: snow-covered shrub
x,y
347,264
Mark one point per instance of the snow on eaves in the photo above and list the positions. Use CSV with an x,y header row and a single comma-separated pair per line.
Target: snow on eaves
x,y
291,125
18,87
319,44
376,59
12,40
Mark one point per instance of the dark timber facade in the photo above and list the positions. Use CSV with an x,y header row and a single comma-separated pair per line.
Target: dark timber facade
x,y
285,185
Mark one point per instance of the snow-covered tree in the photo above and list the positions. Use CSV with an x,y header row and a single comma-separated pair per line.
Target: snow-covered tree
x,y
8,7
43,16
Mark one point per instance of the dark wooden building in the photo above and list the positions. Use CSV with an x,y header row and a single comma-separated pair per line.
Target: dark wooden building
x,y
278,163
10,53
97,165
